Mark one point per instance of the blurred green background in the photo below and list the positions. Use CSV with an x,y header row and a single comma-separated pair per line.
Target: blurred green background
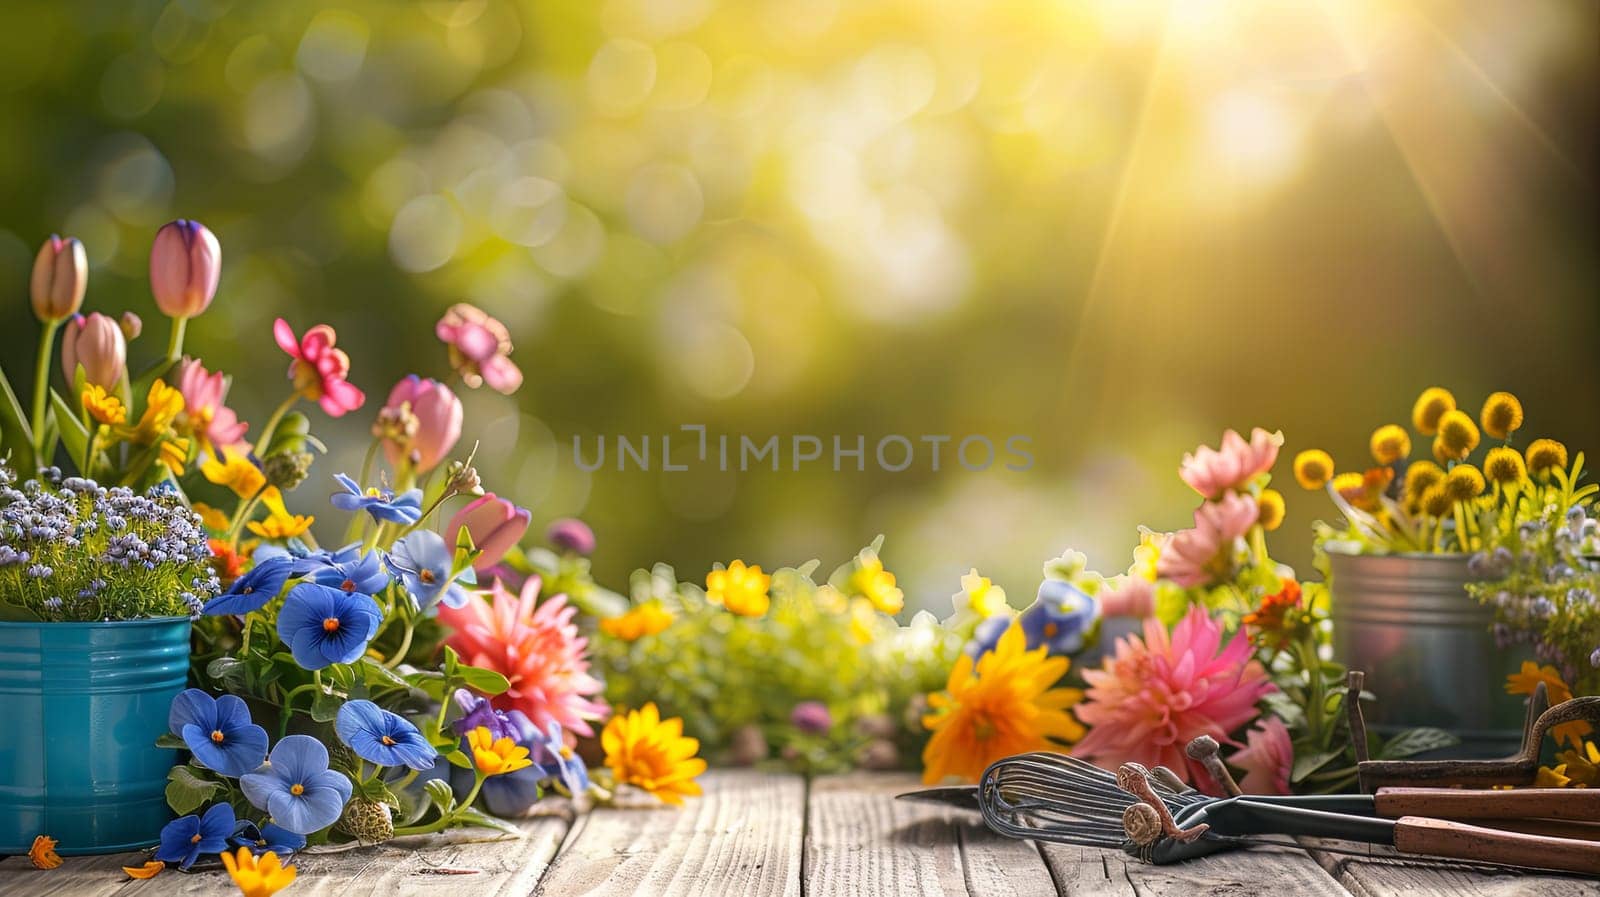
x,y
1116,227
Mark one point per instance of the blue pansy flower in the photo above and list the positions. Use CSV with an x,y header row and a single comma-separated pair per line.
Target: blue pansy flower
x,y
381,737
218,731
187,839
350,572
987,635
405,508
1060,618
423,561
254,589
323,625
297,788
551,754
265,837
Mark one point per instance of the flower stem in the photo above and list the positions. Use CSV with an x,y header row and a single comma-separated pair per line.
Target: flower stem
x,y
41,388
175,342
353,531
271,428
405,645
445,819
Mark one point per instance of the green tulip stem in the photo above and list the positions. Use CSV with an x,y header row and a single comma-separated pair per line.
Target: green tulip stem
x,y
41,388
271,429
175,342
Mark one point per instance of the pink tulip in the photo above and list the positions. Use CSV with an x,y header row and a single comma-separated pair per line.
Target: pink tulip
x,y
185,264
1214,471
60,275
1204,554
438,416
495,525
96,343
480,348
204,414
571,534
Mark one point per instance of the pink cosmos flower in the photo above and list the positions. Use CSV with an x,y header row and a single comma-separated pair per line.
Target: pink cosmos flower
x,y
495,525
1153,696
1267,758
480,348
1204,554
319,370
211,421
534,645
437,413
1214,471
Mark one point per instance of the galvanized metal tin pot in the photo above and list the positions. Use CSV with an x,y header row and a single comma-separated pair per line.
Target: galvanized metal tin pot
x,y
83,706
1426,647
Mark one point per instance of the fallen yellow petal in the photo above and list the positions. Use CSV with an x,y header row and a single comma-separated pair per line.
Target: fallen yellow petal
x,y
148,870
43,853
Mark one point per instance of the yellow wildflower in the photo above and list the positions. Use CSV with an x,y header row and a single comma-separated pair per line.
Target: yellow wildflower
x,y
1504,465
1581,764
652,753
256,876
147,870
648,618
43,853
162,406
1545,455
1441,453
1502,415
1313,468
1390,443
1429,408
103,406
1364,491
1524,681
741,589
495,757
1420,475
280,524
1552,777
1464,483
211,518
1435,500
236,471
175,454
1458,434
981,595
1270,509
1004,704
872,582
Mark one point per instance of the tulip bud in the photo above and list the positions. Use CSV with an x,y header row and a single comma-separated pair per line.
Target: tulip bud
x,y
132,325
571,534
428,415
495,525
185,263
60,275
96,343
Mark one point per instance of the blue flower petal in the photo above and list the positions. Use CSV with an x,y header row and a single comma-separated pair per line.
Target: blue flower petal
x,y
191,706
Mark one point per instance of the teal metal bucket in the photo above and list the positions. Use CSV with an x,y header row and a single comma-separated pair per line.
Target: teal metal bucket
x,y
83,706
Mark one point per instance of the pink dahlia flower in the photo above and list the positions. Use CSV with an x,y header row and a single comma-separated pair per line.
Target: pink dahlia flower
x,y
1214,471
1267,758
211,421
1157,693
1204,554
536,646
480,348
319,370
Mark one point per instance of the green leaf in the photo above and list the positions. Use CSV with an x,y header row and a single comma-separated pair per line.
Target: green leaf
x,y
326,706
229,672
375,789
440,794
1416,741
379,674
170,741
16,437
459,758
73,432
16,613
1305,765
487,682
187,791
475,816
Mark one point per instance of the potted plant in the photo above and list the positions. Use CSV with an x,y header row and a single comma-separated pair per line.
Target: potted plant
x,y
1415,535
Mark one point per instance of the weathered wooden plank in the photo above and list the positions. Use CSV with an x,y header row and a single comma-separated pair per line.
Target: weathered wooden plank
x,y
481,861
1099,872
860,840
1383,872
743,836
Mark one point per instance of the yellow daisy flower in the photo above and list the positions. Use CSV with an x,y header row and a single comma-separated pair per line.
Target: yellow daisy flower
x,y
494,756
1004,704
103,406
1545,455
645,619
279,524
1581,764
652,753
872,582
211,518
1270,509
235,471
1525,680
1390,443
256,876
741,589
1429,408
983,597
1313,468
162,406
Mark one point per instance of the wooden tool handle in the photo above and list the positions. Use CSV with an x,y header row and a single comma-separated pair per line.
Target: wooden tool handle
x,y
1415,834
1579,804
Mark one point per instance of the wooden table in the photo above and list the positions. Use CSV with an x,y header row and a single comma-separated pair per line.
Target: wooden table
x,y
757,833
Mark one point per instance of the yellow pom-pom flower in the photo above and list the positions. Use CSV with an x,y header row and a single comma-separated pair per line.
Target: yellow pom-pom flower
x,y
1419,476
1430,407
1545,455
495,757
1502,415
652,753
1436,501
256,876
1504,465
1390,443
741,589
1270,509
1440,453
1313,468
1463,483
648,618
1458,434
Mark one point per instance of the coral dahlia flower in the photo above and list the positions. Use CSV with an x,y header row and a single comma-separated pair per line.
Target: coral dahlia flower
x,y
536,646
1213,471
1153,696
